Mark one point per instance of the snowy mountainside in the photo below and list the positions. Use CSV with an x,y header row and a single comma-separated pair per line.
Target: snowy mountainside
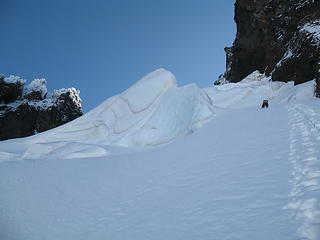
x,y
249,173
252,90
254,178
153,111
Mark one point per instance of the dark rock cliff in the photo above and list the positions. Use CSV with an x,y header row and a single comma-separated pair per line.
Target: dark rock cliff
x,y
28,109
280,38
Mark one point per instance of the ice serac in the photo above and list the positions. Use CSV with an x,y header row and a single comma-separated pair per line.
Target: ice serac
x,y
277,37
153,111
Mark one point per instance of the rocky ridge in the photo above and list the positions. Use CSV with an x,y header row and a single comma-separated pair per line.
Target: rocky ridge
x,y
29,109
280,38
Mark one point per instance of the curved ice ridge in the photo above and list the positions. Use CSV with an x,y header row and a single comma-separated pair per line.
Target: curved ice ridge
x,y
152,112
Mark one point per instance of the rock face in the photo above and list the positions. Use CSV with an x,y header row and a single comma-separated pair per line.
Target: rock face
x,y
280,38
28,109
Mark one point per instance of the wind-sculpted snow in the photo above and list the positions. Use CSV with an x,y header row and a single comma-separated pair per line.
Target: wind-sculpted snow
x,y
153,111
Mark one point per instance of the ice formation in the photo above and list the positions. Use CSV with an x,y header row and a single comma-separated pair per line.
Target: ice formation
x,y
155,111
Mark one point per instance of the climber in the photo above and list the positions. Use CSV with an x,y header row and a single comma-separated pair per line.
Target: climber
x,y
265,104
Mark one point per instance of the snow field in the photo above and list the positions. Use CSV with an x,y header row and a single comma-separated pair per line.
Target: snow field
x,y
153,111
250,173
222,182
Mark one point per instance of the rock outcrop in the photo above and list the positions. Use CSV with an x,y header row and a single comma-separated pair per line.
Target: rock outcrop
x,y
29,109
280,38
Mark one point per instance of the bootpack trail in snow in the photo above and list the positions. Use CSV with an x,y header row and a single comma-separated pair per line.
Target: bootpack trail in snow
x,y
305,157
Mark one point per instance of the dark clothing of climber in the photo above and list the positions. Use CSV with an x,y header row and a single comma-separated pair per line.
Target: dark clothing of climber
x,y
265,104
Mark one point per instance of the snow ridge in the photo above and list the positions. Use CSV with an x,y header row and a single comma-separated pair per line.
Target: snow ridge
x,y
153,111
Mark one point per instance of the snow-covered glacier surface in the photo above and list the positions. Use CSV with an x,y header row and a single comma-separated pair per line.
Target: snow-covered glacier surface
x,y
249,173
153,111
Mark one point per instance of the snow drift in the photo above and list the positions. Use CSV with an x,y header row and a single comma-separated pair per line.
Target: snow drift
x,y
153,111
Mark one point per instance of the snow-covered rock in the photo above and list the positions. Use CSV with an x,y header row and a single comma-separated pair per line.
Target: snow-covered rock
x,y
10,88
14,79
278,37
26,109
36,90
313,30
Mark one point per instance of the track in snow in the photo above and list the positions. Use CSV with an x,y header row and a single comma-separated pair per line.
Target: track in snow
x,y
305,158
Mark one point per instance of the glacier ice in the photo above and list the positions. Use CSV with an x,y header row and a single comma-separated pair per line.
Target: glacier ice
x,y
154,111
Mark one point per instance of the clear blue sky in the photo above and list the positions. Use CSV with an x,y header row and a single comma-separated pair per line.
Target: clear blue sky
x,y
102,47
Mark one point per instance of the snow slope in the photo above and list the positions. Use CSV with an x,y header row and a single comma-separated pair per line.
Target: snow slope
x,y
254,178
153,111
252,90
250,173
